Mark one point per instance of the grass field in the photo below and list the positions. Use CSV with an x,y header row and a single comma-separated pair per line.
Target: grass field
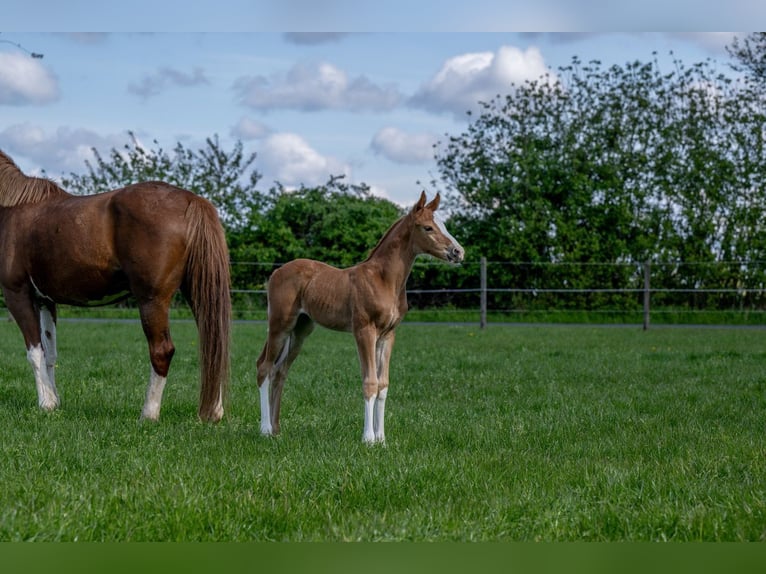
x,y
511,433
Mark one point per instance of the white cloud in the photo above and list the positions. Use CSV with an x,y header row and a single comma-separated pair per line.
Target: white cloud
x,y
466,80
154,84
249,129
402,147
315,86
713,42
24,80
60,152
290,160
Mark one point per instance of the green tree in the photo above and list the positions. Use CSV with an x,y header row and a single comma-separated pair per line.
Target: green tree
x,y
336,223
611,165
225,177
750,55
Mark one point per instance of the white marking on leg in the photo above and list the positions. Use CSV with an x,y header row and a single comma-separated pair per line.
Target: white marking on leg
x,y
218,413
266,429
284,352
380,411
48,338
47,397
368,435
154,392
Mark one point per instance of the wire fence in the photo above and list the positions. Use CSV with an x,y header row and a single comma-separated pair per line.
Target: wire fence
x,y
484,292
624,292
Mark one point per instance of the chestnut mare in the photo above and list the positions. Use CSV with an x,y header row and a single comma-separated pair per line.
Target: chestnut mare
x,y
368,299
148,240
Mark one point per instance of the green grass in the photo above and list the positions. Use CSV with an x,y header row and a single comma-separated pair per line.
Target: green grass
x,y
658,316
511,433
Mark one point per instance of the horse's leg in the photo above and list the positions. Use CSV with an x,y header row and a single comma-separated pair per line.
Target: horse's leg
x,y
28,317
284,312
366,347
272,351
48,338
383,356
303,328
155,322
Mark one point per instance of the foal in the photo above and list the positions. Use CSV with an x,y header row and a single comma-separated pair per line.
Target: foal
x,y
368,299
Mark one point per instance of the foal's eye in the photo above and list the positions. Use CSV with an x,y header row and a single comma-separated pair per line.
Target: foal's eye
x,y
428,228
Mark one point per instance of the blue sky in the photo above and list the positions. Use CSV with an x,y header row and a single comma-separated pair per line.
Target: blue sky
x,y
366,103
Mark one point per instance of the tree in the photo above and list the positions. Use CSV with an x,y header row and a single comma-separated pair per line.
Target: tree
x,y
611,165
750,55
224,177
336,223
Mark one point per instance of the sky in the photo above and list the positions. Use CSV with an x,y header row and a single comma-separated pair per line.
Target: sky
x,y
368,103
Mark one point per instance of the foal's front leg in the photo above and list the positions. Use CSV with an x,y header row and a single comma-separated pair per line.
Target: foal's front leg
x,y
366,347
383,357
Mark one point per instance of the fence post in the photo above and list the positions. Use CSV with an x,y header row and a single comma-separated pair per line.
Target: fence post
x,y
647,288
483,314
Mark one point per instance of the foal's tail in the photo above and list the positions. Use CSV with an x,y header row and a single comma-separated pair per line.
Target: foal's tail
x,y
207,287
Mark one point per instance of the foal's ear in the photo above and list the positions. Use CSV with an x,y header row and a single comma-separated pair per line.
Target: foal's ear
x,y
434,205
421,202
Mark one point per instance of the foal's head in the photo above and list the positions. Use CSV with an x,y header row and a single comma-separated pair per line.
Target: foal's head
x,y
429,233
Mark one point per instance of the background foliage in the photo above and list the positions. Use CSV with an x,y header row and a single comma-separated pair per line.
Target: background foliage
x,y
571,181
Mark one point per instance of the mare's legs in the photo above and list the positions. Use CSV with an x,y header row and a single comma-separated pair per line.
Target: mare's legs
x,y
155,322
41,346
383,357
48,338
366,346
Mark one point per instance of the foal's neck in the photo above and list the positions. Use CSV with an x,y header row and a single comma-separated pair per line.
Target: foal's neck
x,y
394,256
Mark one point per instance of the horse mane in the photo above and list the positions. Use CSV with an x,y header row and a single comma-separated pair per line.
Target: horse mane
x,y
394,226
16,188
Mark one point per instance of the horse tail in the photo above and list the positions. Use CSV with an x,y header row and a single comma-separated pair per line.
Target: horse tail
x,y
207,287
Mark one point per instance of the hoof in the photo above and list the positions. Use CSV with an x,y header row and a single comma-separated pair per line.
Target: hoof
x,y
49,406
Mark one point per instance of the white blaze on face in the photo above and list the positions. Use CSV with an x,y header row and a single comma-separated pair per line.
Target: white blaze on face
x,y
443,228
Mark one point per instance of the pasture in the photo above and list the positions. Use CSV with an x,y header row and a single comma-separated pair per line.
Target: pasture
x,y
512,433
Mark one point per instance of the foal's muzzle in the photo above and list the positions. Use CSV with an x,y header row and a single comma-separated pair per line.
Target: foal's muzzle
x,y
455,254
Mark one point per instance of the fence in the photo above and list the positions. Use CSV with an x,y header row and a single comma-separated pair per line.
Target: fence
x,y
485,292
492,291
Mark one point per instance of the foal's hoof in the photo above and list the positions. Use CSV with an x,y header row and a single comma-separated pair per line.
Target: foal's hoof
x,y
49,404
373,440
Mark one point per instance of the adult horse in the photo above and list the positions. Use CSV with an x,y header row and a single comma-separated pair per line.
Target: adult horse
x,y
368,299
149,240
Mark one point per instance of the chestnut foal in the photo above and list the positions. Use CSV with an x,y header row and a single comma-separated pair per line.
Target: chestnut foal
x,y
368,299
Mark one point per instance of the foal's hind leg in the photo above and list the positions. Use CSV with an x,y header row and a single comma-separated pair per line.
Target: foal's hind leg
x,y
154,320
303,328
271,351
281,349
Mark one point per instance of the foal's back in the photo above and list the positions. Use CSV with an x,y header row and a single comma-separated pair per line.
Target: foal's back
x,y
321,291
